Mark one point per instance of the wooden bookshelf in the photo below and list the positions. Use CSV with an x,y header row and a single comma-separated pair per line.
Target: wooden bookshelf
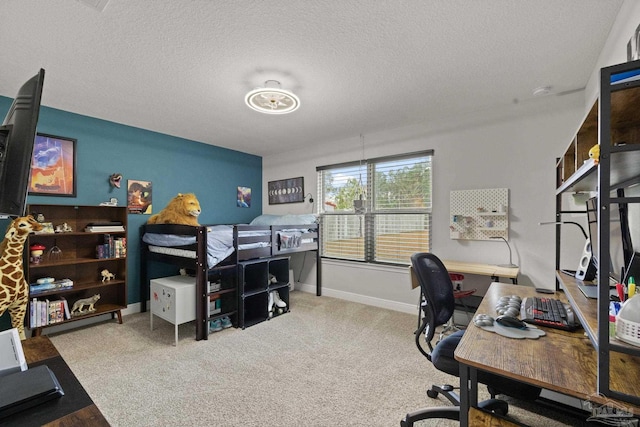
x,y
78,261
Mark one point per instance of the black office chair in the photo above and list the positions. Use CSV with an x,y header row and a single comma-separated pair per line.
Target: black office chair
x,y
437,308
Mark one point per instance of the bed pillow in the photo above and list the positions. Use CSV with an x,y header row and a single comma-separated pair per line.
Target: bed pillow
x,y
264,220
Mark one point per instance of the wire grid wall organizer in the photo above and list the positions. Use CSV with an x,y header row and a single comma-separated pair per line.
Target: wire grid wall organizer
x,y
479,214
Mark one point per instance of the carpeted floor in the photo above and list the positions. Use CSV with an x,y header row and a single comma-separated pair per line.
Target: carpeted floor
x,y
328,362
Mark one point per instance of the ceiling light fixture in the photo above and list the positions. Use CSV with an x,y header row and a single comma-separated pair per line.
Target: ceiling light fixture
x,y
542,91
271,99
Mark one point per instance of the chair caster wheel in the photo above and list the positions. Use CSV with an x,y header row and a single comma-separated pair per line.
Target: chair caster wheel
x,y
432,393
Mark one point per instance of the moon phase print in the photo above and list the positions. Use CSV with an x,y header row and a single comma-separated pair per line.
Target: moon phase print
x,y
286,191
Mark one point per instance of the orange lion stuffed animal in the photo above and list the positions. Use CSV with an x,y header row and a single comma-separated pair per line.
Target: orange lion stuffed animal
x,y
182,209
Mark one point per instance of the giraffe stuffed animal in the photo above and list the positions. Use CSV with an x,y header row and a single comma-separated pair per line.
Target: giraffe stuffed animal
x,y
14,290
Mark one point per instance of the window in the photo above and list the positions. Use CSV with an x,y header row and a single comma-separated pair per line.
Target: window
x,y
376,210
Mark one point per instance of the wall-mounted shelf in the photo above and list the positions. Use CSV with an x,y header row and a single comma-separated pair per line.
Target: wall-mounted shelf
x,y
479,214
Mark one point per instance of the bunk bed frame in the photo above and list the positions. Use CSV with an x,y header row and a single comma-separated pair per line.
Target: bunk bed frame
x,y
272,248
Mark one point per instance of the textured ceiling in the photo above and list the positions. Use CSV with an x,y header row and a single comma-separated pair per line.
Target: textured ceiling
x,y
359,67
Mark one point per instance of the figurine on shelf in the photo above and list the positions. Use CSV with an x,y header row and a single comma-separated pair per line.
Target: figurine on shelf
x,y
107,275
64,228
594,153
37,250
78,306
112,202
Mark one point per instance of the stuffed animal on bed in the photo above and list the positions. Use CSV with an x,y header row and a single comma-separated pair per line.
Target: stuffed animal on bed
x,y
182,209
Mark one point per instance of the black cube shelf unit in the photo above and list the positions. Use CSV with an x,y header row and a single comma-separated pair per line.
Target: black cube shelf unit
x,y
255,285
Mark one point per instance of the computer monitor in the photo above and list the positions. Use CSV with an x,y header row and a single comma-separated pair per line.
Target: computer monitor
x,y
17,137
619,234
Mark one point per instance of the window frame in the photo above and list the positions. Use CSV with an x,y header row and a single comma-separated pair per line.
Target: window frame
x,y
371,213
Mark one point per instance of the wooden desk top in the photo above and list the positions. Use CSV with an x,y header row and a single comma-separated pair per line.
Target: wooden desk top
x,y
38,349
481,269
560,361
473,268
75,408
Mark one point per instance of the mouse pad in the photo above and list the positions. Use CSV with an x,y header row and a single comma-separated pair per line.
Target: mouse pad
x,y
531,332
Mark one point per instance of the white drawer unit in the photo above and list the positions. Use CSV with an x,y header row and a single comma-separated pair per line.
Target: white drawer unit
x,y
174,300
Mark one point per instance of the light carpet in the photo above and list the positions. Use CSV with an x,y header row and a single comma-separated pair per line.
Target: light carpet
x,y
327,362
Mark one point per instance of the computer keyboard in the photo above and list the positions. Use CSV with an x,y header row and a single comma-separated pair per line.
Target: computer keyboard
x,y
548,312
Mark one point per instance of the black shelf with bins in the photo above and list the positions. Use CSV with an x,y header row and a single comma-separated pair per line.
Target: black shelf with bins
x,y
223,288
256,280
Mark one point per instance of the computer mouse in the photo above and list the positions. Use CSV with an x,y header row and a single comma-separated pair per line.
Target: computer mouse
x,y
511,322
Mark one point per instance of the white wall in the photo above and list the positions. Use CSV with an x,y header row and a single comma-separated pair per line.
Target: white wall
x,y
517,154
471,152
615,49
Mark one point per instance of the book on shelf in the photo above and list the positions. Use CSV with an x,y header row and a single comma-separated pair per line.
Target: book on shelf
x,y
104,228
56,312
35,288
113,247
39,313
65,304
104,223
46,312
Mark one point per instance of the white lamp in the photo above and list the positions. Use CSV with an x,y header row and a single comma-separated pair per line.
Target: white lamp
x,y
271,99
511,264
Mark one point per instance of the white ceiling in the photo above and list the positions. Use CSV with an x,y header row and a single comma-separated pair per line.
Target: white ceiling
x,y
182,67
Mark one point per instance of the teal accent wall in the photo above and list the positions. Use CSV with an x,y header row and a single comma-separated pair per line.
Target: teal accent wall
x,y
173,165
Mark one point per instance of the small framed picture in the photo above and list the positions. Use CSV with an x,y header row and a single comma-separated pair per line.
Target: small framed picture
x,y
244,197
53,166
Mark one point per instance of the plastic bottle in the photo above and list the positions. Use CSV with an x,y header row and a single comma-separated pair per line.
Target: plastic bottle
x,y
631,286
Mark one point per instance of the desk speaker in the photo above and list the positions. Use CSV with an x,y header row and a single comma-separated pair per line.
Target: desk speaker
x,y
586,269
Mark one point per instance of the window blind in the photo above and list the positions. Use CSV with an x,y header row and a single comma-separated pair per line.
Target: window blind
x,y
376,210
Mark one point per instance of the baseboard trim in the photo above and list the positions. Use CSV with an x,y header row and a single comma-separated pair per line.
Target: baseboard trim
x,y
363,299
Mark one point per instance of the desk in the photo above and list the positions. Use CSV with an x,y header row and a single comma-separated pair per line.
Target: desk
x,y
495,271
492,270
561,361
75,408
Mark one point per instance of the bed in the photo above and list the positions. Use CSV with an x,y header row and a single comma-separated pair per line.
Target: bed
x,y
215,249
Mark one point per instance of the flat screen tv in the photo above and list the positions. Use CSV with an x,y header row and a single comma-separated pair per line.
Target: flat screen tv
x,y
17,137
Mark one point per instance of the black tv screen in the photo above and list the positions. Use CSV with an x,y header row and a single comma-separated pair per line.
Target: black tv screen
x,y
17,136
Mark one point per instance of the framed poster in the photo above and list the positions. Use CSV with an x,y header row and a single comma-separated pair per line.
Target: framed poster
x,y
139,197
286,191
244,197
53,166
